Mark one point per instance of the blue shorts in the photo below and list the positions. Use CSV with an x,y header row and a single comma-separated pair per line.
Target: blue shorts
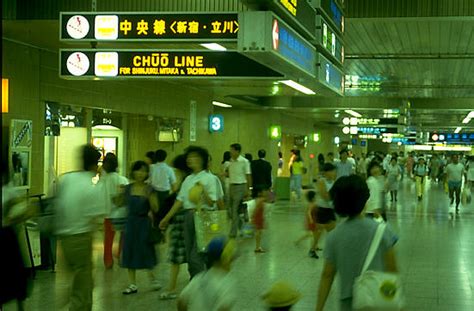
x,y
454,184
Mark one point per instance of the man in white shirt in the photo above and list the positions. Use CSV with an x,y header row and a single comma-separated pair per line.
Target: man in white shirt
x,y
80,204
163,180
240,179
455,172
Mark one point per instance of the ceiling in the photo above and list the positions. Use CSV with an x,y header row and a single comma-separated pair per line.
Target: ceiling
x,y
427,60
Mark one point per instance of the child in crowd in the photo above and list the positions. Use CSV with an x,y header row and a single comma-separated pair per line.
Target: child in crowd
x,y
281,296
213,289
310,224
258,217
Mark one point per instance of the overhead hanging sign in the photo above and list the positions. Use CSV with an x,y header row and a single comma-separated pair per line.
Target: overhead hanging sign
x,y
92,63
377,121
301,11
276,44
329,40
330,75
332,10
463,138
147,26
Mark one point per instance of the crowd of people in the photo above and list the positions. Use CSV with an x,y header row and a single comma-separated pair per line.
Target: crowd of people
x,y
159,203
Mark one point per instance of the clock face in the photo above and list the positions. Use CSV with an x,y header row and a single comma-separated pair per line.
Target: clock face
x,y
77,63
77,27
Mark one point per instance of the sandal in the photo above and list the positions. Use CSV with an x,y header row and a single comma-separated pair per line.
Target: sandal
x,y
131,289
260,250
168,296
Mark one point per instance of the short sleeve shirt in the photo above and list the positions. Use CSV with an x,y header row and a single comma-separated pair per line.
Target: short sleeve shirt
x,y
162,176
209,183
348,245
455,172
238,170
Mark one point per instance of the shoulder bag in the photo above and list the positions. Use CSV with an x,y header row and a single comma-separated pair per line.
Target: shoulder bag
x,y
376,290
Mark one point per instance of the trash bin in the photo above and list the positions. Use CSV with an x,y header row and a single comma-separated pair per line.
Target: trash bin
x,y
282,188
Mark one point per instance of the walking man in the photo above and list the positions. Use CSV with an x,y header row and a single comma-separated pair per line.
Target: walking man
x,y
261,173
240,182
455,171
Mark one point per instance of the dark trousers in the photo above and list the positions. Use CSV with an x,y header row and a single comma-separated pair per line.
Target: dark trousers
x,y
196,262
455,190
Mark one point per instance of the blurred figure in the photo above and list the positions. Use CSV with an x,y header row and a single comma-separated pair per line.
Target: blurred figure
x,y
347,245
249,157
297,168
402,163
470,173
258,217
80,203
421,171
282,296
150,158
375,182
240,182
393,172
344,167
310,224
214,289
198,190
435,165
138,250
320,163
177,249
261,173
410,163
280,164
455,172
224,174
362,167
330,158
14,211
113,214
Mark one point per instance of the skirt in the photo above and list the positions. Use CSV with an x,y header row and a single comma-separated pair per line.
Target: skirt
x,y
177,249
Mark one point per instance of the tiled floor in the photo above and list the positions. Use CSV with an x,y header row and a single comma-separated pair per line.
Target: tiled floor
x,y
435,254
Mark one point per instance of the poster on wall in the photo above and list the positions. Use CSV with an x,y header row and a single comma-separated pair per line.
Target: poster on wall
x,y
21,138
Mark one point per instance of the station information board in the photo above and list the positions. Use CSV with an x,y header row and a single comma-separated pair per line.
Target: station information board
x,y
146,26
333,11
92,63
301,11
377,121
452,138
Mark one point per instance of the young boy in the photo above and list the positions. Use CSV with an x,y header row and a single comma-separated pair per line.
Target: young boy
x,y
258,217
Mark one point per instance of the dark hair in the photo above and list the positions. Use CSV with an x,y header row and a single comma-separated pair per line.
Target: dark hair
x,y
160,155
249,157
202,152
138,165
90,157
330,154
151,156
110,163
371,165
285,308
256,190
262,153
328,167
179,163
393,158
226,156
349,195
344,151
298,158
280,154
236,147
310,195
321,158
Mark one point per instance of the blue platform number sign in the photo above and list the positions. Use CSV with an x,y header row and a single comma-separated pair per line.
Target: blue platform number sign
x,y
216,123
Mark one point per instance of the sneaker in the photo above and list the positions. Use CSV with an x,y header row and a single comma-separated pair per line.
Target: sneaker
x,y
312,254
155,285
131,289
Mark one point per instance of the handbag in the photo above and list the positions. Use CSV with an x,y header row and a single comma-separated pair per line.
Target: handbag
x,y
208,225
376,290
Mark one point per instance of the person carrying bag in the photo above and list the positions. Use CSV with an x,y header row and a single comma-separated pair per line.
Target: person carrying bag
x,y
377,290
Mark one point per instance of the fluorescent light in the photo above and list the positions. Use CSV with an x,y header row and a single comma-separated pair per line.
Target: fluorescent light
x,y
422,147
219,104
457,130
470,115
214,46
451,148
298,87
466,120
353,113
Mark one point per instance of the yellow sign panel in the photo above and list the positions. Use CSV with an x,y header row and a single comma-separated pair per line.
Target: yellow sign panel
x,y
5,95
290,5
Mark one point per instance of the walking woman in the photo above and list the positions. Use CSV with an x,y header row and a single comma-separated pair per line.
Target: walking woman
x,y
296,170
393,172
138,249
347,245
200,185
177,249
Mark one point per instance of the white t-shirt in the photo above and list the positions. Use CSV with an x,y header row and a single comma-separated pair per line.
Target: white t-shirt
x,y
112,182
211,290
238,170
162,176
79,203
455,171
207,180
375,200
